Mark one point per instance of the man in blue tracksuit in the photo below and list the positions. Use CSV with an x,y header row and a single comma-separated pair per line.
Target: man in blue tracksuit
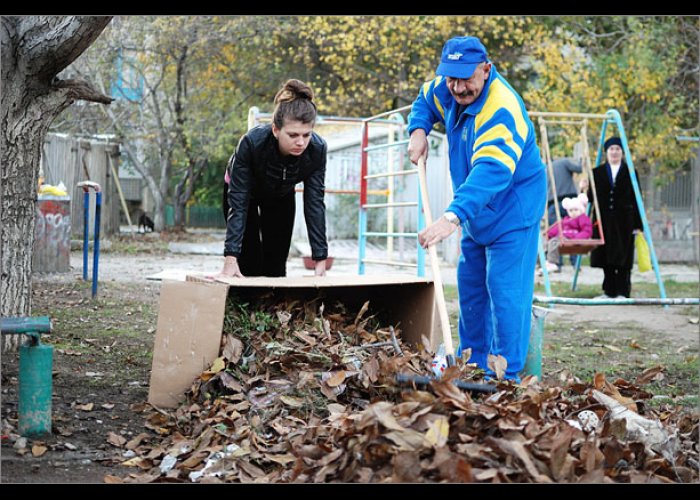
x,y
499,185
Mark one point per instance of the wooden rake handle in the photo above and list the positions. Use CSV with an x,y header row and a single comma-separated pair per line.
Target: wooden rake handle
x,y
435,265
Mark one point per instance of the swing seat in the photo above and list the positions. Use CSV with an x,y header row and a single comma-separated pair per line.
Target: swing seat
x,y
575,247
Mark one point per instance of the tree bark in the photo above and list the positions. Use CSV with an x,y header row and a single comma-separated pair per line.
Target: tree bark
x,y
35,49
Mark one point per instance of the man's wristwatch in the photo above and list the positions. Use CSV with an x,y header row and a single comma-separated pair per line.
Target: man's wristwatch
x,y
452,217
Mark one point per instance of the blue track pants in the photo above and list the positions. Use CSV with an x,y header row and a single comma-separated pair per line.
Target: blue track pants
x,y
495,284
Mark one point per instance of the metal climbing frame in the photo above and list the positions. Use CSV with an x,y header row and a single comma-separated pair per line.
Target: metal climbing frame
x,y
611,117
390,204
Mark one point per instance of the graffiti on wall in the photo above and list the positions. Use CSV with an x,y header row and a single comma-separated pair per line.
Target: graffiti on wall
x,y
52,235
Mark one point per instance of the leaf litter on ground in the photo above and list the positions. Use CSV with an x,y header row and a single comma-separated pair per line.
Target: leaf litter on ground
x,y
304,392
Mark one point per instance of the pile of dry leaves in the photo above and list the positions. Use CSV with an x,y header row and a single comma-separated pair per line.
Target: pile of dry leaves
x,y
301,394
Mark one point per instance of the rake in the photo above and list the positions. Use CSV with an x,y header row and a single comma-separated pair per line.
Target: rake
x,y
440,300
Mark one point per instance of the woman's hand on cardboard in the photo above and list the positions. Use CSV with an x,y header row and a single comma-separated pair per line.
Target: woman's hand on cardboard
x,y
320,268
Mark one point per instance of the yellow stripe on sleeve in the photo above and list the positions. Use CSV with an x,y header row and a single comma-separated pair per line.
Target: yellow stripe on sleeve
x,y
499,131
499,97
496,153
427,86
439,107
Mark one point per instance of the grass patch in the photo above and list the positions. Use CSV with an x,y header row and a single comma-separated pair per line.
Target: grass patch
x,y
114,325
619,349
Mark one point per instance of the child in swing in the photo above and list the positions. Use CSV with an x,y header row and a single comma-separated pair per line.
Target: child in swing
x,y
576,225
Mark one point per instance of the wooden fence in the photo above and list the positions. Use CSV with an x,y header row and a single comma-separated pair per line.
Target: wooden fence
x,y
70,159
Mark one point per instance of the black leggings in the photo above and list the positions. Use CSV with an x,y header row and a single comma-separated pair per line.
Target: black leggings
x,y
268,236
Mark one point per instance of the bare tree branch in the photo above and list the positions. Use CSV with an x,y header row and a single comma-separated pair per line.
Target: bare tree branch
x,y
68,37
81,90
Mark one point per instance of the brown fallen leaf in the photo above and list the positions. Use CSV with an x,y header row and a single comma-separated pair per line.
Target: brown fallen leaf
x,y
308,339
599,380
561,463
650,374
498,364
334,379
115,439
518,450
142,463
282,459
292,401
438,432
233,349
635,345
407,468
136,441
85,407
601,384
109,479
38,450
230,382
194,460
217,365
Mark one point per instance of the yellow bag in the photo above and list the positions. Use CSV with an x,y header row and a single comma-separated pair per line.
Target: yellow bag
x,y
643,260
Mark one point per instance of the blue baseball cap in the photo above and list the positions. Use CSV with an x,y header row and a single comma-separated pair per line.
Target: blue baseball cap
x,y
460,57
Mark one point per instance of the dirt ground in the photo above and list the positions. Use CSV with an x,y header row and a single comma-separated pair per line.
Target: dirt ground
x,y
102,363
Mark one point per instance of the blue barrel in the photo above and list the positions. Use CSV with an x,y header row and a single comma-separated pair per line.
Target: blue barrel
x,y
35,389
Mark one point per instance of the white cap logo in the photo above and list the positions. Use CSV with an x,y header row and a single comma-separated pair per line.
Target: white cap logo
x,y
454,56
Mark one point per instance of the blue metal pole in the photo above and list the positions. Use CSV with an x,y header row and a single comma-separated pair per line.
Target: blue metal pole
x,y
96,248
640,204
420,256
363,240
86,230
543,266
618,301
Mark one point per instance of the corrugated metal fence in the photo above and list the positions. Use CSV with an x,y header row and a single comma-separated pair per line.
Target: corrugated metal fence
x,y
70,160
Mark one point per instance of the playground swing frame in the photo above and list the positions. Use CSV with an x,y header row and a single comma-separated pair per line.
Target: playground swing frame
x,y
569,246
612,116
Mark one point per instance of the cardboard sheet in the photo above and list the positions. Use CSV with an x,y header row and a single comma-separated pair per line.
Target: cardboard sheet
x,y
191,315
188,336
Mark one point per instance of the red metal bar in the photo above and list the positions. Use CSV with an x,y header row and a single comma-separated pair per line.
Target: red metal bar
x,y
363,163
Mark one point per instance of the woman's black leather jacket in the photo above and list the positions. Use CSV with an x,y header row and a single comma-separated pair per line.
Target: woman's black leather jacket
x,y
258,170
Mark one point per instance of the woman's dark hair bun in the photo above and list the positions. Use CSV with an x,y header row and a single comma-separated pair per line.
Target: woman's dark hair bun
x,y
294,101
294,89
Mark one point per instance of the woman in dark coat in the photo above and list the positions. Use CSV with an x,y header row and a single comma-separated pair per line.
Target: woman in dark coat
x,y
261,177
620,220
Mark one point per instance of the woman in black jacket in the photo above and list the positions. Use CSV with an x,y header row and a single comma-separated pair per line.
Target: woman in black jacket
x,y
263,172
620,219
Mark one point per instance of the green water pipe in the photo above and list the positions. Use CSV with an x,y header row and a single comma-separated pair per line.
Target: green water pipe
x,y
533,361
35,389
35,373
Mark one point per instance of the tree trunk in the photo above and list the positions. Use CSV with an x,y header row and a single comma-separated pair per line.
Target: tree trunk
x,y
34,50
184,190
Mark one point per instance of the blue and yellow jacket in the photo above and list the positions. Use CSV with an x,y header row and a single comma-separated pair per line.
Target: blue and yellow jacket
x,y
498,177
